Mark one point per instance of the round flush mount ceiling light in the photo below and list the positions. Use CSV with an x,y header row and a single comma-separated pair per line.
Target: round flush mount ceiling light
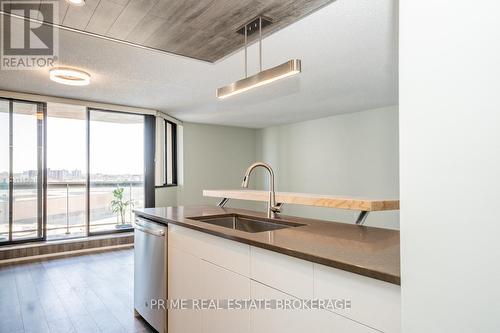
x,y
76,2
69,76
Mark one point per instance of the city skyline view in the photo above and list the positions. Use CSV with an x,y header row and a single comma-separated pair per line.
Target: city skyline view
x,y
68,175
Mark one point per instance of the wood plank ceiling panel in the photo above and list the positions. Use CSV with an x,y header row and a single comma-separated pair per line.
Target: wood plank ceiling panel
x,y
133,13
121,2
148,26
104,16
205,29
201,29
62,7
77,17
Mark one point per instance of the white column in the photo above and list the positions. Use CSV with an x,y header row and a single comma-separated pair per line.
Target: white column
x,y
450,165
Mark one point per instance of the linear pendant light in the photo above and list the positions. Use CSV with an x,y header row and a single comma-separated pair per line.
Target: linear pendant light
x,y
289,68
263,77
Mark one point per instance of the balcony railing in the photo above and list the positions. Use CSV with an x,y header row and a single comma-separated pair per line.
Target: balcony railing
x,y
66,208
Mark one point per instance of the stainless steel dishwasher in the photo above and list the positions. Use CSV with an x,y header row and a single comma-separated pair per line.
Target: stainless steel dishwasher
x,y
150,272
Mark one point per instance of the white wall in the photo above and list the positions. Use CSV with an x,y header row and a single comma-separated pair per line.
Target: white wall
x,y
450,165
166,196
351,154
214,157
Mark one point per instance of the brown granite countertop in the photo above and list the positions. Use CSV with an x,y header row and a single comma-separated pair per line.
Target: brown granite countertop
x,y
368,251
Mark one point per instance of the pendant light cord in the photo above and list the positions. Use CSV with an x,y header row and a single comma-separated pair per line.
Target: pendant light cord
x,y
246,61
260,44
260,47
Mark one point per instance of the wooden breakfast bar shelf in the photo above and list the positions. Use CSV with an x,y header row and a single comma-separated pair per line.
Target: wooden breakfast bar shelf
x,y
363,205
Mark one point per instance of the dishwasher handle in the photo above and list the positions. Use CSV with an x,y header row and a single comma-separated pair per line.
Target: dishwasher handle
x,y
151,231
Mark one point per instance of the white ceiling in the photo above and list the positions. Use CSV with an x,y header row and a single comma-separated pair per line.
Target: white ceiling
x,y
349,60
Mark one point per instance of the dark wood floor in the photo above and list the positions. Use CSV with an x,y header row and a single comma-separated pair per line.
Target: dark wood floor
x,y
89,293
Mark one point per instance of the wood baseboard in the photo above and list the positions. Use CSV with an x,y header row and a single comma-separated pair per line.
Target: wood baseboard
x,y
63,254
61,248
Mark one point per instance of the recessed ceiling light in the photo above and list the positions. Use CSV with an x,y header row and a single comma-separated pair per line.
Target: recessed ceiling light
x,y
69,76
76,2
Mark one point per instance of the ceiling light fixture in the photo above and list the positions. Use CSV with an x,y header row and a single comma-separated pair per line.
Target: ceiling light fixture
x,y
69,76
76,2
263,77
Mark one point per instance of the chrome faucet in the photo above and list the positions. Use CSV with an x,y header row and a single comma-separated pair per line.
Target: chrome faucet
x,y
272,207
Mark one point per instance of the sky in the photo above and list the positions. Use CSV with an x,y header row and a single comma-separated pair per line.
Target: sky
x,y
114,148
4,142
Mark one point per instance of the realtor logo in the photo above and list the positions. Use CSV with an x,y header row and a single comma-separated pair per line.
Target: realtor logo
x,y
27,43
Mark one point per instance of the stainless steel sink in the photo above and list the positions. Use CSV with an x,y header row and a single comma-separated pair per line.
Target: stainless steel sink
x,y
246,223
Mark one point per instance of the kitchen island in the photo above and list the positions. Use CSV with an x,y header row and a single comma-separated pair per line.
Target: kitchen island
x,y
312,259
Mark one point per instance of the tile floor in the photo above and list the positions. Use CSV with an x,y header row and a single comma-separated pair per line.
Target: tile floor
x,y
89,293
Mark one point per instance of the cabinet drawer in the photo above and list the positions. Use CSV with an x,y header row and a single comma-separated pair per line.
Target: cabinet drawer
x,y
297,320
285,273
229,254
373,302
184,271
222,284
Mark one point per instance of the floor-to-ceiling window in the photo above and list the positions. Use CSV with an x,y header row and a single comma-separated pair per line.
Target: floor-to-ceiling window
x,y
21,170
66,170
69,171
116,169
4,170
27,156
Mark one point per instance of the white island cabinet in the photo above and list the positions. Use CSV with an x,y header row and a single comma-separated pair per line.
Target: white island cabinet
x,y
202,266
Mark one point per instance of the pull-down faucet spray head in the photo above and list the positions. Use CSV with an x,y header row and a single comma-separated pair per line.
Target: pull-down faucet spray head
x,y
272,207
244,183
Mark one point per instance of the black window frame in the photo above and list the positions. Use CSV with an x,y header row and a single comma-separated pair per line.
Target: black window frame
x,y
41,169
149,193
173,148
